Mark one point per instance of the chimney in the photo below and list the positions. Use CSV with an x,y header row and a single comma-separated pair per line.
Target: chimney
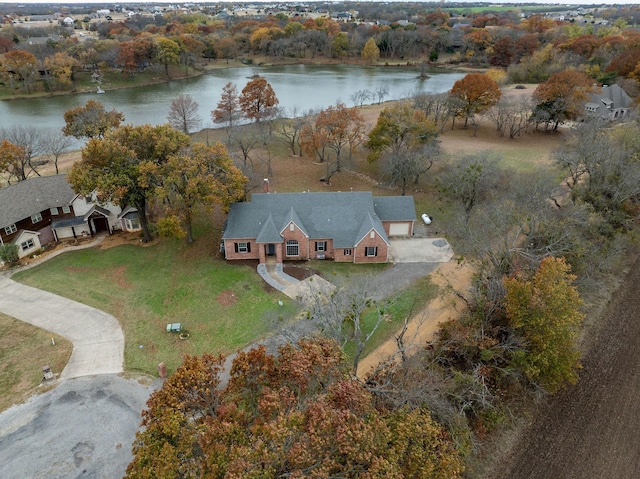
x,y
265,185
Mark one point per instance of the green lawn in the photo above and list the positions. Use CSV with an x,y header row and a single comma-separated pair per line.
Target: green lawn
x,y
222,306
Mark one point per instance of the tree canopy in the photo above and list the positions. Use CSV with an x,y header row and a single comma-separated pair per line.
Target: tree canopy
x,y
545,311
477,93
258,100
91,120
198,175
561,97
123,166
296,414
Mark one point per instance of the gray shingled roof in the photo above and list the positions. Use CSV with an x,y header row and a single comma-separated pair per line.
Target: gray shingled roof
x,y
28,197
395,208
344,217
613,96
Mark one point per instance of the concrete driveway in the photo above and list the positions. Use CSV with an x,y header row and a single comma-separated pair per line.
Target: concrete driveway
x,y
420,250
98,341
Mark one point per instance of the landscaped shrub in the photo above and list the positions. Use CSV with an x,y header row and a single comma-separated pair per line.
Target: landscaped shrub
x,y
9,253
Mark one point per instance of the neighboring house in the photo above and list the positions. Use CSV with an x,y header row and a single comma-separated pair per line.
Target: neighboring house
x,y
609,103
44,209
346,226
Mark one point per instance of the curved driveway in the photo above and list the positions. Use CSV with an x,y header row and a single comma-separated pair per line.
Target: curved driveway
x,y
98,341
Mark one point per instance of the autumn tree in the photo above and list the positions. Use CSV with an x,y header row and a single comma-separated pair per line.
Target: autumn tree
x,y
23,66
370,52
400,127
167,53
477,93
61,66
228,108
294,414
545,312
197,175
258,100
183,114
124,165
91,120
335,128
561,98
10,158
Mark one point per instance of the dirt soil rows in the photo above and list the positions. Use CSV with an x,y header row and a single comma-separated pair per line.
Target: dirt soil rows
x,y
591,430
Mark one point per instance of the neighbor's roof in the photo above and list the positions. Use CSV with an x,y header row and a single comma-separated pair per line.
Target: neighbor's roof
x,y
29,197
344,217
612,96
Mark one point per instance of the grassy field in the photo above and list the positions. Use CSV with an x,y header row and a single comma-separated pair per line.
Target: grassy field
x,y
24,349
223,307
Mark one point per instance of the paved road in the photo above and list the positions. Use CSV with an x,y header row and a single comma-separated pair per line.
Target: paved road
x,y
98,342
83,428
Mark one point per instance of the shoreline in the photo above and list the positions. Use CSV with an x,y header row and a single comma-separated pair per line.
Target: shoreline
x,y
216,65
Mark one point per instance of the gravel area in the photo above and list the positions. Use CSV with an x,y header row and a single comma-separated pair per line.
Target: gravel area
x,y
82,428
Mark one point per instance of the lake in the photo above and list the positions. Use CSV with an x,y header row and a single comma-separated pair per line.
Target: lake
x,y
301,86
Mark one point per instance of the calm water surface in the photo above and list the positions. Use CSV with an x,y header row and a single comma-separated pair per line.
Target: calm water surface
x,y
301,86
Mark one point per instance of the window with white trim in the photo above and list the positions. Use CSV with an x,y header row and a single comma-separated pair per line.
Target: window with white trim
x,y
66,209
25,245
292,248
347,251
371,251
243,248
54,211
321,246
11,229
36,218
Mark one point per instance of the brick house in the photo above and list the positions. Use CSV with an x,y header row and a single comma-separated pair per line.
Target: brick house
x,y
347,226
44,209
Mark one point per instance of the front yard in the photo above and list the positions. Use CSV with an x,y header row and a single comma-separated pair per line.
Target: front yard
x,y
223,307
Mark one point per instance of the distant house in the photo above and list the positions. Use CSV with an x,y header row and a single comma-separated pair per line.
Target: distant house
x,y
346,226
44,209
609,103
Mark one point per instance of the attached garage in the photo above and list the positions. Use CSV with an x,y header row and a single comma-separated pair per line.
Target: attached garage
x,y
400,229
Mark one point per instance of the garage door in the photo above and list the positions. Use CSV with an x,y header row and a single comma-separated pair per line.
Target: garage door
x,y
399,229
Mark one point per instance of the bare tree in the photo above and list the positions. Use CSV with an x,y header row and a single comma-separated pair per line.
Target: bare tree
x,y
54,145
30,140
511,117
340,313
380,93
183,114
360,97
289,129
471,180
407,165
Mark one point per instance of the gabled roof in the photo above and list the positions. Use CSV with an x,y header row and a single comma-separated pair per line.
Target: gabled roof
x,y
129,212
97,209
21,233
269,233
28,197
344,216
292,217
367,226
